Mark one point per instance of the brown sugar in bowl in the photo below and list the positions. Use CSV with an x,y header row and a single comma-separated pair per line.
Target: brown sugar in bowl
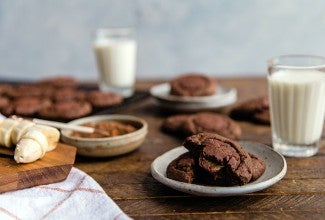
x,y
107,146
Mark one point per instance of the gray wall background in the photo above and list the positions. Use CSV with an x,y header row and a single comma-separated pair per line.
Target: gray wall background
x,y
222,38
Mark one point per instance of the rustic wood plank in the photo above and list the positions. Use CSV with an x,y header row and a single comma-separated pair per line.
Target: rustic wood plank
x,y
207,205
288,215
53,167
127,179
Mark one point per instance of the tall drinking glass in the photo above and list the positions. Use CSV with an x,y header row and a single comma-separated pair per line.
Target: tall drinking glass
x,y
297,103
115,51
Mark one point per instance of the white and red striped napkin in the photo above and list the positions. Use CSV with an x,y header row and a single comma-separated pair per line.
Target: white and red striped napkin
x,y
77,197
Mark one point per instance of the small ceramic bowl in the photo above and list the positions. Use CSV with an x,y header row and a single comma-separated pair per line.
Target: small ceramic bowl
x,y
108,146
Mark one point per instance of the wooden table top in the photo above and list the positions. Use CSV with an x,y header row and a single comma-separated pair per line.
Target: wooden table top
x,y
127,179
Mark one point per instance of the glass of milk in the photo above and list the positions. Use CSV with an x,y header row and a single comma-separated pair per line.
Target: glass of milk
x,y
115,51
297,103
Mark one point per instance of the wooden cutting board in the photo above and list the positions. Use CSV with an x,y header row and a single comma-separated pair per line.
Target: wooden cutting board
x,y
55,166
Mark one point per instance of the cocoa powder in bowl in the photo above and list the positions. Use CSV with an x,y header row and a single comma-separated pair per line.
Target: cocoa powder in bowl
x,y
105,129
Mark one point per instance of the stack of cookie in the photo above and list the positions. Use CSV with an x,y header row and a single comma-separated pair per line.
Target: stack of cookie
x,y
215,160
54,98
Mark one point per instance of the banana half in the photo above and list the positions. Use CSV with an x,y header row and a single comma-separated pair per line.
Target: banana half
x,y
6,128
32,141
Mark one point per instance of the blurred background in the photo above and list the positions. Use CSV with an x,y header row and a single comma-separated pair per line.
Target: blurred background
x,y
221,38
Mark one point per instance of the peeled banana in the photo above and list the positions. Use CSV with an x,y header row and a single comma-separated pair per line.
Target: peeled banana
x,y
6,129
52,135
32,141
20,129
31,146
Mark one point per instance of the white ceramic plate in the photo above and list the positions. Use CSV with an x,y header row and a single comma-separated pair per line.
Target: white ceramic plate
x,y
276,168
223,97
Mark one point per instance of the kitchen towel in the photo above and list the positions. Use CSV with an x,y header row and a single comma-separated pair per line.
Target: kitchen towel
x,y
77,197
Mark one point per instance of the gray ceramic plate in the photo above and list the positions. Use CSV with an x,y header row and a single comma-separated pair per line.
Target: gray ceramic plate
x,y
223,97
276,168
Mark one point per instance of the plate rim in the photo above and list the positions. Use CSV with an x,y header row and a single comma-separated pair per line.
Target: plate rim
x,y
216,191
190,99
193,103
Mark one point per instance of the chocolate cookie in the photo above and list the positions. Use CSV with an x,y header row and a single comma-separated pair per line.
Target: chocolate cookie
x,y
182,169
255,110
4,89
258,167
224,160
101,99
193,84
4,102
59,81
186,125
66,110
25,90
212,122
26,106
174,124
67,94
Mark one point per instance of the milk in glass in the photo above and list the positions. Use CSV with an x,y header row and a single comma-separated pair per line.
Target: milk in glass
x,y
116,61
297,102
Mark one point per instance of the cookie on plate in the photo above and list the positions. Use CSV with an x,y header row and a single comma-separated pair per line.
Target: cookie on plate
x,y
215,160
66,110
67,94
186,125
24,90
258,166
255,110
101,99
224,161
4,102
193,84
182,168
4,89
26,106
59,81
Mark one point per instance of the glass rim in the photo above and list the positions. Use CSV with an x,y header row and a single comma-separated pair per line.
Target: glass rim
x,y
272,61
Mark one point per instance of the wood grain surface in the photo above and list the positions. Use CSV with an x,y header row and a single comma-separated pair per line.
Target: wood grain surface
x,y
127,179
53,167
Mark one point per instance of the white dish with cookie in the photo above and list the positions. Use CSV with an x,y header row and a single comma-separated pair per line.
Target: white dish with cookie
x,y
222,97
276,168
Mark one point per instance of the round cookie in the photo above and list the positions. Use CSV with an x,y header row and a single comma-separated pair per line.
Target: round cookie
x,y
173,124
47,91
193,84
4,89
233,162
66,110
4,102
66,94
258,167
256,110
101,99
26,106
25,90
211,122
59,81
29,106
182,169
